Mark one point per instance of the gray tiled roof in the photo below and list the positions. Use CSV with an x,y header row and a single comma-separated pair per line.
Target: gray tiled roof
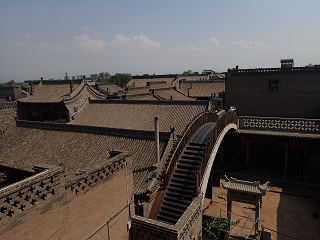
x,y
142,82
167,93
50,91
139,115
202,88
245,186
110,87
141,96
25,147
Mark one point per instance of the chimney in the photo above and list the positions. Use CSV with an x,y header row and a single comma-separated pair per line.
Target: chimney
x,y
156,126
71,86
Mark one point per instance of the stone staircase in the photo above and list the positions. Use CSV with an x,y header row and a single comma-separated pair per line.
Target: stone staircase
x,y
181,190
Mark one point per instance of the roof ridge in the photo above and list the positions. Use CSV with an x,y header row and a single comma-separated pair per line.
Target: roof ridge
x,y
156,102
92,129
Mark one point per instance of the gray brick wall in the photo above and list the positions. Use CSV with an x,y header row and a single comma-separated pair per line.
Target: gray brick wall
x,y
298,95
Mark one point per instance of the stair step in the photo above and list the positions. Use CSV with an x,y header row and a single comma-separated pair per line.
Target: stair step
x,y
179,180
195,148
193,152
194,157
179,189
184,170
172,209
179,195
184,175
196,144
177,205
187,186
192,165
169,214
167,219
177,200
189,161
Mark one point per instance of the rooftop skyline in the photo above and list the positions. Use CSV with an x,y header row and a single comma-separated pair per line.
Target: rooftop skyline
x,y
47,39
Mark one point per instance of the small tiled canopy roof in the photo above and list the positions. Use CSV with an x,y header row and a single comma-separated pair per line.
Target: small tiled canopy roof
x,y
245,186
202,88
139,115
26,147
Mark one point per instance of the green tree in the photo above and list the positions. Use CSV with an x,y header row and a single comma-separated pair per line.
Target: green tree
x,y
121,79
189,72
309,65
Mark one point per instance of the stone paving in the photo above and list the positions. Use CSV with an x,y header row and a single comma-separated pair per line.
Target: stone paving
x,y
288,214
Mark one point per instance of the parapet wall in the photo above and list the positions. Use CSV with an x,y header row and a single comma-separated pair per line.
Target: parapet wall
x,y
93,204
23,195
188,227
274,71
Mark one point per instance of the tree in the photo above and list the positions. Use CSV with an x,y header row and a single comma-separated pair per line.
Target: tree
x,y
104,77
309,65
189,72
121,79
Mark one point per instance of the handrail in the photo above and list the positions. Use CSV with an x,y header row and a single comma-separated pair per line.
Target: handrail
x,y
191,129
225,119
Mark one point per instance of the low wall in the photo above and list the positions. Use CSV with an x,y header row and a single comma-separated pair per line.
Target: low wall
x,y
188,227
95,204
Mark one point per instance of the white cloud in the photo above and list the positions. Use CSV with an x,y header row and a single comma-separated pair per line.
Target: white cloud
x,y
52,46
89,44
21,44
215,42
140,41
188,46
27,35
85,29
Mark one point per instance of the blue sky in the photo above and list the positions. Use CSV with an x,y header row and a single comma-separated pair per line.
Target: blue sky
x,y
48,38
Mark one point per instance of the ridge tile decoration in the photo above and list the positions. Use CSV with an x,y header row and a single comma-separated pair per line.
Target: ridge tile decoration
x,y
283,125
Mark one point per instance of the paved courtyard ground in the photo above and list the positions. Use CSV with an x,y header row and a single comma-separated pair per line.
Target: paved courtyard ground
x,y
283,213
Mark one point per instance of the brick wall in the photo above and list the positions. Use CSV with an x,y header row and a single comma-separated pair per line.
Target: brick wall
x,y
79,214
297,95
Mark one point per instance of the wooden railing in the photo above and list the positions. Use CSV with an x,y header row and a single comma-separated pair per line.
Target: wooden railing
x,y
191,129
223,121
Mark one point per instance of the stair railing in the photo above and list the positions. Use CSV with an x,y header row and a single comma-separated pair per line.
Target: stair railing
x,y
225,119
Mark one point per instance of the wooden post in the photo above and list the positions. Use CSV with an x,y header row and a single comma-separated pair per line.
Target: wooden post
x,y
286,161
247,157
257,214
